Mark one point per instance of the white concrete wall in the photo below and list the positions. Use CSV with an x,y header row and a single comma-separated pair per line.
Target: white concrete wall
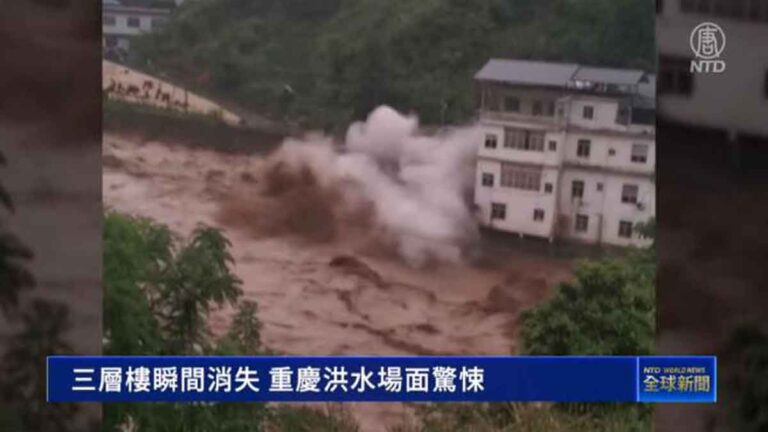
x,y
121,27
605,205
604,113
734,100
520,203
545,157
600,154
609,163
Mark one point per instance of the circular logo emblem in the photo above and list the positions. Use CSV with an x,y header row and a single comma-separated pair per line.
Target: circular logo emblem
x,y
708,41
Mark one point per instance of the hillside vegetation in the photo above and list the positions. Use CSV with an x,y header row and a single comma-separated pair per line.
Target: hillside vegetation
x,y
323,63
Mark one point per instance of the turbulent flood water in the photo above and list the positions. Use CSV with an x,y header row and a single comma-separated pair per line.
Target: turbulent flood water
x,y
336,296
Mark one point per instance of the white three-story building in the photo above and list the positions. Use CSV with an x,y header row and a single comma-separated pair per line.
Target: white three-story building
x,y
568,151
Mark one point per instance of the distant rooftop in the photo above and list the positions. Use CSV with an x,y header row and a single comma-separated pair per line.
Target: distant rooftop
x,y
528,72
565,75
149,4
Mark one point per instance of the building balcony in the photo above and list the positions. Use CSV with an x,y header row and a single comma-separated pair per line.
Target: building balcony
x,y
645,170
547,122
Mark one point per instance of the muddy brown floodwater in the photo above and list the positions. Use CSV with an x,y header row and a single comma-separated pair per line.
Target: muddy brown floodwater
x,y
330,298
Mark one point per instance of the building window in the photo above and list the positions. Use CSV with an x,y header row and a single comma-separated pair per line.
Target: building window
x,y
520,176
536,141
511,104
675,75
498,211
611,152
639,153
490,141
582,148
514,138
133,22
629,193
582,223
487,179
538,108
110,20
538,215
589,112
158,23
599,186
765,82
521,139
550,109
625,229
553,145
758,10
577,189
548,188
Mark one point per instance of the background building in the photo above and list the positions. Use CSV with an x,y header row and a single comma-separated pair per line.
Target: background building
x,y
124,19
568,151
735,101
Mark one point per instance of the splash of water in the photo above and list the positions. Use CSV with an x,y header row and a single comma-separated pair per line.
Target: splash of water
x,y
417,186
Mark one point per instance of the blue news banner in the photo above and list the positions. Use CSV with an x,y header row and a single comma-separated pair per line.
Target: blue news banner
x,y
382,379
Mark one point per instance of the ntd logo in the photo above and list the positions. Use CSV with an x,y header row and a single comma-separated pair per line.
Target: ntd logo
x,y
708,43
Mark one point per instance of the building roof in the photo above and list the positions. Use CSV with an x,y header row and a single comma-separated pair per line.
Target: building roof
x,y
149,4
549,74
609,76
527,72
647,93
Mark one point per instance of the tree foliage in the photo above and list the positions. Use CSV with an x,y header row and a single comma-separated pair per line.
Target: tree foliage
x,y
608,310
746,357
14,275
37,333
325,62
159,292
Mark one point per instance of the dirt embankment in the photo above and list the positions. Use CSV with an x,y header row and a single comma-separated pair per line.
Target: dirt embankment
x,y
142,125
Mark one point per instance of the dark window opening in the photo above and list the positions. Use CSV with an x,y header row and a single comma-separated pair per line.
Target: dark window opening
x,y
577,189
639,153
550,109
765,85
675,76
625,229
629,194
582,223
490,141
538,108
498,211
511,104
583,148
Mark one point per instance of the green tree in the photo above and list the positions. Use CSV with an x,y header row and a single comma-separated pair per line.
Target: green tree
x,y
159,291
14,276
41,325
608,310
746,358
24,368
341,58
